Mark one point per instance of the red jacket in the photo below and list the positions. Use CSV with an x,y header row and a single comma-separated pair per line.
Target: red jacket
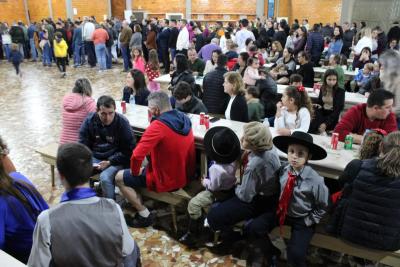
x,y
172,157
355,120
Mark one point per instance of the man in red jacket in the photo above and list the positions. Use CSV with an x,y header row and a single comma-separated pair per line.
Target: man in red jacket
x,y
377,113
169,142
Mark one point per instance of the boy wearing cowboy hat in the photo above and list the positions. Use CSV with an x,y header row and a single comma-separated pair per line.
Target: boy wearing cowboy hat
x,y
303,195
222,146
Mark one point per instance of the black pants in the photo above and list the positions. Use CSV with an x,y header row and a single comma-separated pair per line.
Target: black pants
x,y
165,58
16,67
89,49
61,61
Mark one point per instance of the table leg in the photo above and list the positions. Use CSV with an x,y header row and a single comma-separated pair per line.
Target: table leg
x,y
52,176
203,164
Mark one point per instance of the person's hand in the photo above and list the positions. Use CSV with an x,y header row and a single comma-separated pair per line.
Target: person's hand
x,y
317,106
367,94
279,105
104,164
283,131
322,128
357,139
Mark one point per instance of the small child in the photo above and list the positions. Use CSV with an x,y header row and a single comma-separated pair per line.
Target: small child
x,y
363,76
254,106
251,74
334,63
153,70
138,60
60,53
16,58
303,196
222,146
296,80
293,113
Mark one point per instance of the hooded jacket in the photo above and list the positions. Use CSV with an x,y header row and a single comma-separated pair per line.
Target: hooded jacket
x,y
75,108
170,143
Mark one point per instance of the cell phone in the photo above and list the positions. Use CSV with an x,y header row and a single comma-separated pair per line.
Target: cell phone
x,y
214,119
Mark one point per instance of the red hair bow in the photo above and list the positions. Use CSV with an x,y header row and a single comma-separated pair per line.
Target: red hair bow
x,y
380,131
301,88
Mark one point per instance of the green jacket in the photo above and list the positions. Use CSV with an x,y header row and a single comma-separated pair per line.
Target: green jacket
x,y
255,109
340,73
197,66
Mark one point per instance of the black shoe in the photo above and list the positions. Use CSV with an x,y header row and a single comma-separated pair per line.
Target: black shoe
x,y
139,221
189,239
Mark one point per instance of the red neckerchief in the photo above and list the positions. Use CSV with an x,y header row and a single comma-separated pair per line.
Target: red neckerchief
x,y
285,198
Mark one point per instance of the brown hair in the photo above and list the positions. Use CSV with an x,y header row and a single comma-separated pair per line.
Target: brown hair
x,y
370,145
301,98
388,161
11,187
278,46
153,60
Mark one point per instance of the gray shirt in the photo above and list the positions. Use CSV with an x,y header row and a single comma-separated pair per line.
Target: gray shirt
x,y
258,177
41,253
136,40
310,195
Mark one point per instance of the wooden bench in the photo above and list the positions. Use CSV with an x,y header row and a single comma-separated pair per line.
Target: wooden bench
x,y
332,243
49,155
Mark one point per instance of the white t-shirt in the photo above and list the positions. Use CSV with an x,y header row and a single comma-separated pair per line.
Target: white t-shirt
x,y
295,121
228,108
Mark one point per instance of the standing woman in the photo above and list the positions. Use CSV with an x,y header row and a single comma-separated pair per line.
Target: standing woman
x,y
20,205
335,46
136,39
329,104
301,40
75,107
237,106
151,38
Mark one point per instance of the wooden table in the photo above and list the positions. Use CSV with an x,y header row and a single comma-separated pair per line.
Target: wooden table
x,y
48,154
331,167
7,260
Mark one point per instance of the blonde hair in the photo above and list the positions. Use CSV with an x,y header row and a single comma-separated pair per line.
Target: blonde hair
x,y
369,66
366,32
236,80
278,46
388,161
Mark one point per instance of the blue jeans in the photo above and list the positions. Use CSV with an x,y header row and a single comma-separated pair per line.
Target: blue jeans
x,y
78,54
173,53
33,49
107,179
6,48
46,55
101,55
108,57
125,56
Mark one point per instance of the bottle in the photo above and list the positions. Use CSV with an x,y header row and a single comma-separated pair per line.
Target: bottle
x,y
132,101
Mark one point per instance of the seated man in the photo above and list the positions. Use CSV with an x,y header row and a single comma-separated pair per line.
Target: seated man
x,y
377,113
186,101
110,138
169,142
83,230
196,65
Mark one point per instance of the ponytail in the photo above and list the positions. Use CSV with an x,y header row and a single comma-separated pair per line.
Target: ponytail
x,y
388,161
301,98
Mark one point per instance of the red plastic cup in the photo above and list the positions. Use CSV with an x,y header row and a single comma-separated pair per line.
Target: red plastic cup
x,y
123,107
334,140
207,121
202,115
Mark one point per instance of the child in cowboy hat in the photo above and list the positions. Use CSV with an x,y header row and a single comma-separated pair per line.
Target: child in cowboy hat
x,y
222,146
303,195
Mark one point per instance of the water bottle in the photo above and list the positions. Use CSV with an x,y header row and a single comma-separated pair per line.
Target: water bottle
x,y
132,101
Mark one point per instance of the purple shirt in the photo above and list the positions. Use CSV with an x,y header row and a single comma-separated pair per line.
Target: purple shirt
x,y
221,177
206,51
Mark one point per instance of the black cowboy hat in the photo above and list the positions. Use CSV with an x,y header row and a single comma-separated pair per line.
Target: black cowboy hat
x,y
222,145
301,138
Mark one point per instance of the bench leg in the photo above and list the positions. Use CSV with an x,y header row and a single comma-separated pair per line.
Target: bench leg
x,y
203,163
174,220
216,237
53,184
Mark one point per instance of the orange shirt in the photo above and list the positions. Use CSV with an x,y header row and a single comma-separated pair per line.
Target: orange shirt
x,y
100,36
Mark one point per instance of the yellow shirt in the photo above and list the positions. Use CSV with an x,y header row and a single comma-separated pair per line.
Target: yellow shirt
x,y
60,49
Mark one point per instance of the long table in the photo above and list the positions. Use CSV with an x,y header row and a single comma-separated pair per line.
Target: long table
x,y
351,99
7,260
331,167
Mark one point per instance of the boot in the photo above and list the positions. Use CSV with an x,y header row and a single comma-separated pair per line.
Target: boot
x,y
190,238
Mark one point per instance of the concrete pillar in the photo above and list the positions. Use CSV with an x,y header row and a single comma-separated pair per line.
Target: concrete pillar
x,y
70,11
50,9
347,11
128,4
109,13
188,14
28,21
260,8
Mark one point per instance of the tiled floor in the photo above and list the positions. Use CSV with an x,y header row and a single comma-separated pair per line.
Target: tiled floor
x,y
30,118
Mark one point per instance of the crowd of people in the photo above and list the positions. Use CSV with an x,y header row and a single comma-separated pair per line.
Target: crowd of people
x,y
236,86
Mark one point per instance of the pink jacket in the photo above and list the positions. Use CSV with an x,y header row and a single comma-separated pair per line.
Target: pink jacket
x,y
139,64
251,76
75,108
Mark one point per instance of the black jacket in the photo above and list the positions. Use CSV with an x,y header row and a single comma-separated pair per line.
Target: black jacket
x,y
307,72
194,106
239,111
114,142
173,36
268,95
214,97
280,36
17,35
347,42
163,38
371,217
338,104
